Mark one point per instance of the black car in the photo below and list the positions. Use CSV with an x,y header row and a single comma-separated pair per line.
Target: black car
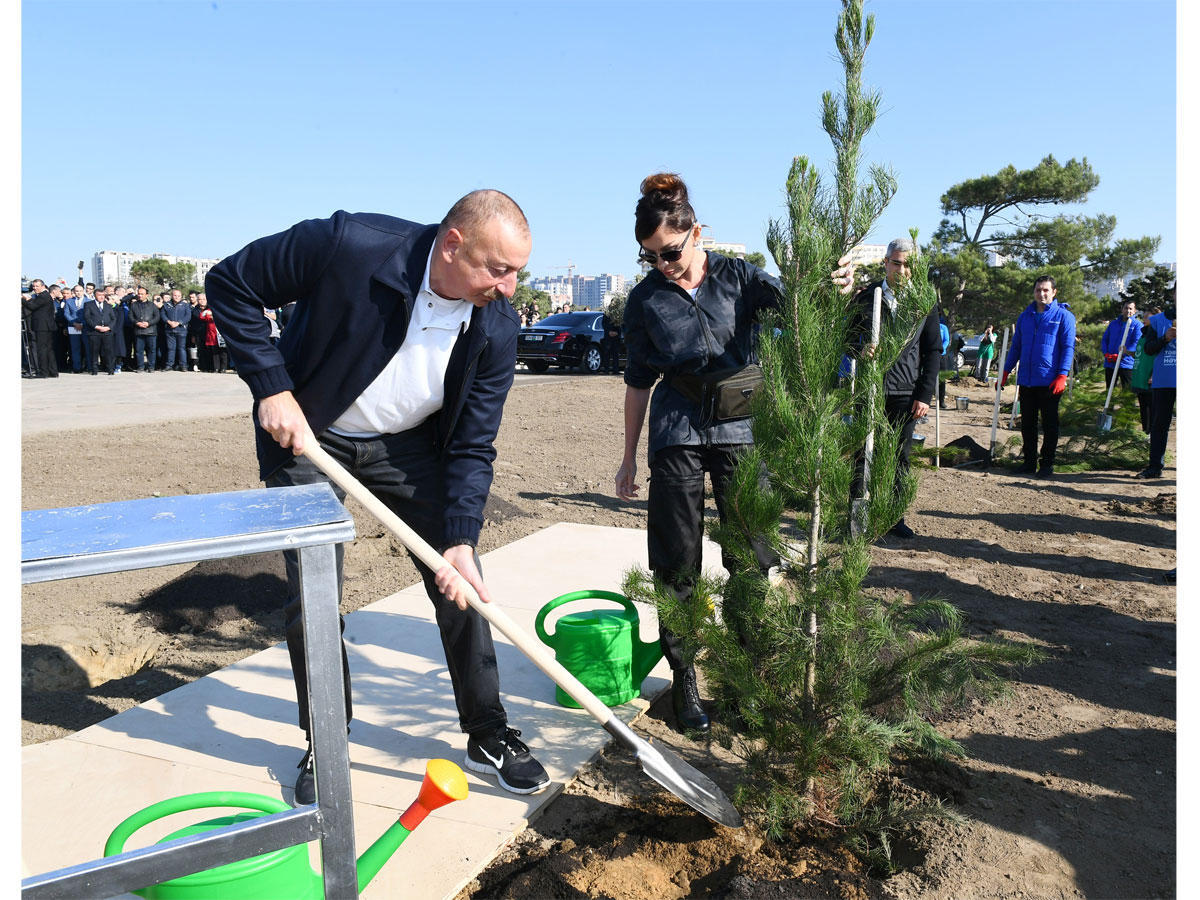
x,y
565,339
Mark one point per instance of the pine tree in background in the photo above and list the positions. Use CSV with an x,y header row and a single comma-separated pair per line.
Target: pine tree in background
x,y
818,685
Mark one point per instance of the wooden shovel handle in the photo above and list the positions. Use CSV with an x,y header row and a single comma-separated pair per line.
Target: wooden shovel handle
x,y
524,642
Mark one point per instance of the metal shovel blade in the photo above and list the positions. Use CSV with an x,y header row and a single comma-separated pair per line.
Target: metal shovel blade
x,y
691,786
1104,422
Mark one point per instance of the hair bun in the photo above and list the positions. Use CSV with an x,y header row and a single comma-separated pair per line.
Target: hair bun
x,y
667,182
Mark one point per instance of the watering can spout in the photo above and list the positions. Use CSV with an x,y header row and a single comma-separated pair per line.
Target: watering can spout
x,y
444,783
646,655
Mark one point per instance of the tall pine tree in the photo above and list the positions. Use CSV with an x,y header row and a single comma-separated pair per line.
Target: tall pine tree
x,y
818,684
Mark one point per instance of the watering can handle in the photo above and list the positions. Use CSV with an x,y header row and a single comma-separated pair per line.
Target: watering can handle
x,y
539,624
204,800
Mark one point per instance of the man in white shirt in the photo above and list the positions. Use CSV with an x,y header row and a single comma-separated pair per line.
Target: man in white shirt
x,y
398,356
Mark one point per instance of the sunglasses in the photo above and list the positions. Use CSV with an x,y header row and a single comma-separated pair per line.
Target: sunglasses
x,y
670,256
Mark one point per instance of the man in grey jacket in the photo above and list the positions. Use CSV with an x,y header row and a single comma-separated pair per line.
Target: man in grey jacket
x,y
910,383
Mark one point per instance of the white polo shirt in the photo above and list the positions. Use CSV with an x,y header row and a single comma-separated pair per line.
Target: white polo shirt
x,y
412,386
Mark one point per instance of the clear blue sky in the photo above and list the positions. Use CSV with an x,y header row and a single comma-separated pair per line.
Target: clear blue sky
x,y
237,119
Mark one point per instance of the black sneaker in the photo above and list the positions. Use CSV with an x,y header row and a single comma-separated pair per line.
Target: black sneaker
x,y
1149,472
503,754
1045,472
1027,469
901,530
305,793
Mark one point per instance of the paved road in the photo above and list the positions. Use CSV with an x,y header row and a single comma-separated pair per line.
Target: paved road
x,y
132,398
128,398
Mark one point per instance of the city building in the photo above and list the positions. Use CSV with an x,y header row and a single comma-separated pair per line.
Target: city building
x,y
738,250
594,291
113,266
557,286
581,291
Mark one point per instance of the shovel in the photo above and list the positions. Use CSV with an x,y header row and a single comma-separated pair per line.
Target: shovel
x,y
692,787
1104,421
859,506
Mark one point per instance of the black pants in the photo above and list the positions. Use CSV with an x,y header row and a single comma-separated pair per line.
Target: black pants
x,y
1144,403
101,346
898,409
43,354
609,354
1039,403
405,472
1162,408
1124,376
675,521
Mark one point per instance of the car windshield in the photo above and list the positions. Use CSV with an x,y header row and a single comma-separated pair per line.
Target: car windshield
x,y
567,320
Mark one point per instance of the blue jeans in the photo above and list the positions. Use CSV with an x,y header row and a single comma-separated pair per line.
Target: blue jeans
x,y
405,472
79,350
144,346
176,348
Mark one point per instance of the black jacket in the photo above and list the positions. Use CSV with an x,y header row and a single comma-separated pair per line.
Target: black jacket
x,y
354,277
668,333
144,311
98,314
915,372
39,312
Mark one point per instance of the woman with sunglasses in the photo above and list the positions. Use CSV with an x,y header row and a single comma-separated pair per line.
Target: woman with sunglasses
x,y
695,314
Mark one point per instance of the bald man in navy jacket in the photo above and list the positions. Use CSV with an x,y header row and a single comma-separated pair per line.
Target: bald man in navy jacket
x,y
399,356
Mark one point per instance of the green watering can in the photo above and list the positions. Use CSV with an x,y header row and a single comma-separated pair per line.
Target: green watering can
x,y
600,647
283,873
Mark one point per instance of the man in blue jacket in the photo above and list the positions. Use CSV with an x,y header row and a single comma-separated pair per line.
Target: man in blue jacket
x,y
1161,334
1117,358
399,356
177,313
1044,345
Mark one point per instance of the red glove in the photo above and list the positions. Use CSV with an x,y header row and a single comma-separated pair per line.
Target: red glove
x,y
1110,357
1004,380
1058,385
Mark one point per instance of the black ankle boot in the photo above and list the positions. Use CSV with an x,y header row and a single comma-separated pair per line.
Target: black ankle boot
x,y
685,696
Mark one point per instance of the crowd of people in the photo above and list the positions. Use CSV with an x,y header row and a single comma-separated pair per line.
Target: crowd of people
x,y
529,315
117,328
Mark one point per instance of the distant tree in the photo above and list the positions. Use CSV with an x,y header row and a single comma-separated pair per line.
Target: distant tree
x,y
755,258
524,295
1000,213
615,308
1156,288
176,276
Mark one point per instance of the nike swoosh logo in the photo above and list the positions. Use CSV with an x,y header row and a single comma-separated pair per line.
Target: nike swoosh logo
x,y
498,763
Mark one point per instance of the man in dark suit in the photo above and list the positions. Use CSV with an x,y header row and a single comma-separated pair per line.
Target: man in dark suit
x,y
99,323
398,356
39,312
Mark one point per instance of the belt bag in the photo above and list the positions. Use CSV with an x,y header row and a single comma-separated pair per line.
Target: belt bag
x,y
722,396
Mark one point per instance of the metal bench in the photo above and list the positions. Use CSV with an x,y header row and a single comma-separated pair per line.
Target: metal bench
x,y
140,534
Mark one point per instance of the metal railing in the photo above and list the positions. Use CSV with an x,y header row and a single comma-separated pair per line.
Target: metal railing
x,y
138,534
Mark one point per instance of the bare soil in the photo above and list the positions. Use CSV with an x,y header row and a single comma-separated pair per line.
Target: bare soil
x,y
1069,789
